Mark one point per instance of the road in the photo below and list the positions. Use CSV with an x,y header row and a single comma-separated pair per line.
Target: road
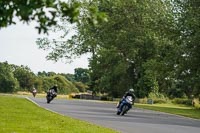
x,y
136,121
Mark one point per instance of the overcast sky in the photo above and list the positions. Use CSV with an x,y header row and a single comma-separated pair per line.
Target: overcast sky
x,y
17,46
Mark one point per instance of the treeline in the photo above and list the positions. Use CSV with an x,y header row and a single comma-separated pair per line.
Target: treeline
x,y
20,78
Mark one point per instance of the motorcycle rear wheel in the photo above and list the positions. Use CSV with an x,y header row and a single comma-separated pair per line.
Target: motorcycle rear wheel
x,y
48,99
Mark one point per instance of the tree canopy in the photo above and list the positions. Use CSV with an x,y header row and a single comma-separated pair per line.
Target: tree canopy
x,y
148,45
44,12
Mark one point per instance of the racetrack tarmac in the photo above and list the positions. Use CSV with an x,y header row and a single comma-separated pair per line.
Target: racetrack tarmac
x,y
136,121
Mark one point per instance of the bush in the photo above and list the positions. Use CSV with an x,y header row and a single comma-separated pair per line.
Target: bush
x,y
141,100
158,98
182,101
106,98
197,106
81,86
159,101
196,103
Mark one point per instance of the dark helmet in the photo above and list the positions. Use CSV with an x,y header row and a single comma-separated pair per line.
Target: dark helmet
x,y
55,87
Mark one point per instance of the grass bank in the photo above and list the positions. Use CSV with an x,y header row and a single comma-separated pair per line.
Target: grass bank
x,y
18,115
182,110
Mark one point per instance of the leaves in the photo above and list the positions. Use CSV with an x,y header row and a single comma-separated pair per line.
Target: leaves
x,y
45,12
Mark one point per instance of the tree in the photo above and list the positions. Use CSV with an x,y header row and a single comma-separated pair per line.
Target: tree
x,y
137,31
80,86
68,76
64,86
45,12
149,45
81,75
8,83
189,33
25,77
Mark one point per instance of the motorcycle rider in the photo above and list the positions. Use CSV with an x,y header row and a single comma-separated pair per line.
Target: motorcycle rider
x,y
34,91
54,90
130,92
51,93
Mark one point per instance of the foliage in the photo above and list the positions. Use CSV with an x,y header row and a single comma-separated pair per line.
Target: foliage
x,y
64,86
38,83
189,28
159,101
24,76
69,76
21,78
45,12
8,83
120,57
157,97
81,86
81,75
136,32
182,101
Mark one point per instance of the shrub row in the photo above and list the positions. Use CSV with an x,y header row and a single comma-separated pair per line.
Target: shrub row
x,y
182,101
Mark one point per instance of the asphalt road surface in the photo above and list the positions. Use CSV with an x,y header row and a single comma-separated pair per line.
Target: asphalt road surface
x,y
136,121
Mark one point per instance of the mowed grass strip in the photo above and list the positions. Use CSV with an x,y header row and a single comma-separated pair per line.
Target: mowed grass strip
x,y
18,115
182,110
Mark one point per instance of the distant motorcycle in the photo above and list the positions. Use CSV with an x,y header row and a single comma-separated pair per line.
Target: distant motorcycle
x,y
50,95
34,92
125,105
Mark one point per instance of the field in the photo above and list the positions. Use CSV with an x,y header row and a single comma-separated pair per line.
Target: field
x,y
182,110
18,115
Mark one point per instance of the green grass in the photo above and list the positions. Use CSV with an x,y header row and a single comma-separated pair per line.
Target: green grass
x,y
18,115
182,110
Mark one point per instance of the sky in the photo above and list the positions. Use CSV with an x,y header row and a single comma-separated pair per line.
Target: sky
x,y
18,46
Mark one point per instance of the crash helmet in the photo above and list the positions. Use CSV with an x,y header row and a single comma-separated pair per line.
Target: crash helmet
x,y
131,90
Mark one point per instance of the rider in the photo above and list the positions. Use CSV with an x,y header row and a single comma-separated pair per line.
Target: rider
x,y
54,89
130,92
34,91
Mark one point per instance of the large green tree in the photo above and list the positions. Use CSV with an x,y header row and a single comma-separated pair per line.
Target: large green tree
x,y
8,83
25,77
189,34
137,32
149,45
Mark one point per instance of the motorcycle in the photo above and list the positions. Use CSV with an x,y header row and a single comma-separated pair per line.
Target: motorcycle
x,y
34,92
125,105
50,95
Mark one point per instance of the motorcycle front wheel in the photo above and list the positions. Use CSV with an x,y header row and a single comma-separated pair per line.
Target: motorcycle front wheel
x,y
124,109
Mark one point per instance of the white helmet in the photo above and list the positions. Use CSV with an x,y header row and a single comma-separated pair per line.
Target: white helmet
x,y
131,90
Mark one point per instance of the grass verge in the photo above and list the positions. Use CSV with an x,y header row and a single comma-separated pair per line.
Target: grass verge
x,y
182,110
18,115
